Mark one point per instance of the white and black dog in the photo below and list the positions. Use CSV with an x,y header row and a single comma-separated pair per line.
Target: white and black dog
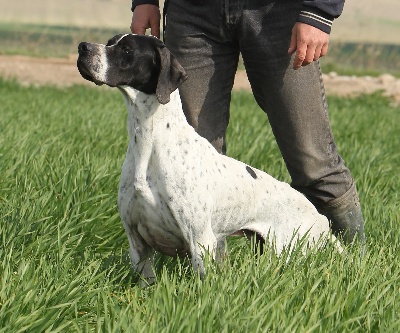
x,y
177,194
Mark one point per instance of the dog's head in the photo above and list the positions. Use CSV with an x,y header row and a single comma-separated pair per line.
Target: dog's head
x,y
141,62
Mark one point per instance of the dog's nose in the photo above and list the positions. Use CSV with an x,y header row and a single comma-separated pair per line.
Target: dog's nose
x,y
84,47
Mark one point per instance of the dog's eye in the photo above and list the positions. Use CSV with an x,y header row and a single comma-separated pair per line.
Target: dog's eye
x,y
126,49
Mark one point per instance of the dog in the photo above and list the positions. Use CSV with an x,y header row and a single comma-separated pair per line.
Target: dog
x,y
177,194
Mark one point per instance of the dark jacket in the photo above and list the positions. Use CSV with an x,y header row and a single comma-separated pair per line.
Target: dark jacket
x,y
318,13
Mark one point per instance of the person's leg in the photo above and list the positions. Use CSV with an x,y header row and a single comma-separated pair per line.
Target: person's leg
x,y
195,34
297,110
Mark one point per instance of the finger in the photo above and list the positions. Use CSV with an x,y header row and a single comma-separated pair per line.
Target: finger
x,y
324,49
300,55
155,32
137,27
132,27
317,53
138,30
310,54
155,28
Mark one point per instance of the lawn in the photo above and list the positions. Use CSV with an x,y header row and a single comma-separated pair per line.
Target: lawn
x,y
64,255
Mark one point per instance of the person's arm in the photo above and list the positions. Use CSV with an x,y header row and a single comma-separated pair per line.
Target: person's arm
x,y
145,15
310,35
321,13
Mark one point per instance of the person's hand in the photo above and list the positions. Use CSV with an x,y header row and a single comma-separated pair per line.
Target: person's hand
x,y
145,17
309,43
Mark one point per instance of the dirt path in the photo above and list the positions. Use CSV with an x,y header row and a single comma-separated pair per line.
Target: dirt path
x,y
63,72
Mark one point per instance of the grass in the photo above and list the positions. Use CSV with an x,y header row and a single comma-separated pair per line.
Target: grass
x,y
61,41
64,262
49,41
362,59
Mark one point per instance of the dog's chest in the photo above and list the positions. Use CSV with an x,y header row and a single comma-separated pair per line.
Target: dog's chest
x,y
146,207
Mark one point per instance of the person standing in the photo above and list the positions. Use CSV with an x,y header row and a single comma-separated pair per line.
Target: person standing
x,y
280,42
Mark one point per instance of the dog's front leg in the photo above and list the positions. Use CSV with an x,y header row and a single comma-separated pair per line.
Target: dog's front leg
x,y
222,250
144,266
198,262
199,245
141,255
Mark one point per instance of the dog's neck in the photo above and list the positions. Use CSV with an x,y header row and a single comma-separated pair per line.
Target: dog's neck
x,y
150,122
145,113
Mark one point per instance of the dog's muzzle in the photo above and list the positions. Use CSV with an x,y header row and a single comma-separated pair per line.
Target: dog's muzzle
x,y
85,63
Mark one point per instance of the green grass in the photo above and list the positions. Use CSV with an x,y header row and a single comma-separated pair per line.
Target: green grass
x,y
362,59
49,41
64,265
61,41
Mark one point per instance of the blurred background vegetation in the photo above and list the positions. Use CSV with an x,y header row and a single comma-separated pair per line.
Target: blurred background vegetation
x,y
365,40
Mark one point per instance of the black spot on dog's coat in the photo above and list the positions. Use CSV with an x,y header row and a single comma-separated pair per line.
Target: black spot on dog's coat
x,y
251,172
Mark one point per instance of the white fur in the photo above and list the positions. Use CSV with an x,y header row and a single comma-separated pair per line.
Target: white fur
x,y
103,65
179,196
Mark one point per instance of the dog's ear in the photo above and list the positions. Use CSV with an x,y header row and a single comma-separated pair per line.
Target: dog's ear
x,y
113,40
172,74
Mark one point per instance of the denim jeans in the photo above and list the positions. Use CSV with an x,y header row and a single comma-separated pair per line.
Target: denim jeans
x,y
207,37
